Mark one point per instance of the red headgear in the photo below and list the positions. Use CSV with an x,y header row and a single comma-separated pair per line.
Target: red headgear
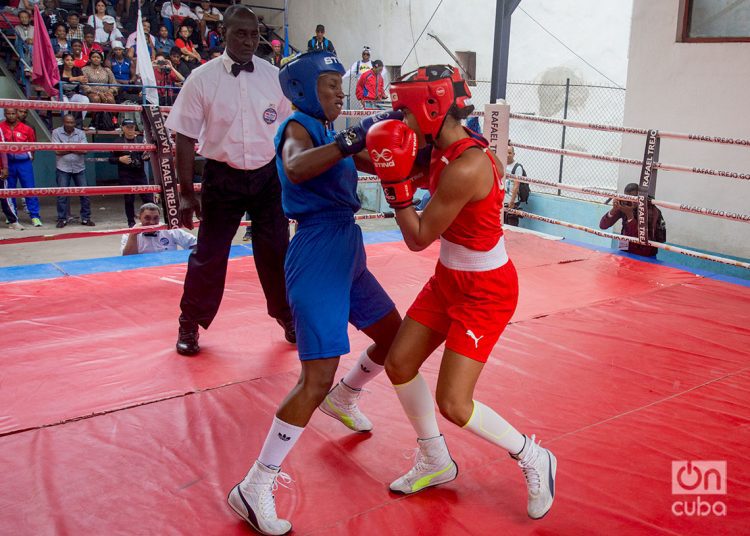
x,y
429,93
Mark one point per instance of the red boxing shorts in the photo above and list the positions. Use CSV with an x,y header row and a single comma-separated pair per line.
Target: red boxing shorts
x,y
470,308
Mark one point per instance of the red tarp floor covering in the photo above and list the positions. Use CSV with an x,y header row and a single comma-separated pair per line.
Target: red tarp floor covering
x,y
619,366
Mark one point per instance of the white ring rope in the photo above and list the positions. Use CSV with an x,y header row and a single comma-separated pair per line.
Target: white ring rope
x,y
735,216
659,245
632,161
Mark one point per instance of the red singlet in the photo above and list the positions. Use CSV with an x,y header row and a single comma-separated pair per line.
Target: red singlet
x,y
479,224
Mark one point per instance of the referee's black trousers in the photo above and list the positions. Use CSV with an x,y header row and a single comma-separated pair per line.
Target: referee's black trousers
x,y
226,195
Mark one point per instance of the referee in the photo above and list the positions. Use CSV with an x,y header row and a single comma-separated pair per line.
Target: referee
x,y
232,107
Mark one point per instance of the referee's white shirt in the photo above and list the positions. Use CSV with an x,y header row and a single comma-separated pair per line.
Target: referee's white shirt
x,y
233,118
163,241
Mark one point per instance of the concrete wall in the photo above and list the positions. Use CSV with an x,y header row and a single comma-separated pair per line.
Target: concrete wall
x,y
698,88
595,29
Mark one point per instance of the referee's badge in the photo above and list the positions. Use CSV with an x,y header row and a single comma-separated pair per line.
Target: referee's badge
x,y
164,241
270,115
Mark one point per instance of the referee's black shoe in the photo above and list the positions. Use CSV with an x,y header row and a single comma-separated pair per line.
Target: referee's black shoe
x,y
187,338
289,333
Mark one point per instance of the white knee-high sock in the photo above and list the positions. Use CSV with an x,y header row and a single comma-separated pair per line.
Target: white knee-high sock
x,y
487,424
279,442
416,399
365,370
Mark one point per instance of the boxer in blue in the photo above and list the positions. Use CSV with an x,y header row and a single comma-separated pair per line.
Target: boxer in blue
x,y
328,283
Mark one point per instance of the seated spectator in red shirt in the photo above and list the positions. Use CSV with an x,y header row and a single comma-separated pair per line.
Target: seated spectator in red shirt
x,y
627,213
89,42
370,86
189,53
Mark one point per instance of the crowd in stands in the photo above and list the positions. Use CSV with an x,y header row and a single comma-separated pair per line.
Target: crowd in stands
x,y
95,43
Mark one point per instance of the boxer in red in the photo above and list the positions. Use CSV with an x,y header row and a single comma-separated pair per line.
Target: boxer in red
x,y
471,297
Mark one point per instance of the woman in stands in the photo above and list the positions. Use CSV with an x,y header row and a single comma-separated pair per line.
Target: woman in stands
x,y
97,73
72,77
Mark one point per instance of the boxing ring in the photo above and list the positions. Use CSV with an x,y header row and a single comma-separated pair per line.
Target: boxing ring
x,y
622,367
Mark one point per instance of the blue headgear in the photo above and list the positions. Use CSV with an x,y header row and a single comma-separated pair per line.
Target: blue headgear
x,y
299,79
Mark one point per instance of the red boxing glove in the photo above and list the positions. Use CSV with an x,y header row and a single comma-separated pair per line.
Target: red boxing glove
x,y
393,149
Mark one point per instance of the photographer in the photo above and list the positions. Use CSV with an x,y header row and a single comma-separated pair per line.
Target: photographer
x,y
627,212
155,241
130,168
166,77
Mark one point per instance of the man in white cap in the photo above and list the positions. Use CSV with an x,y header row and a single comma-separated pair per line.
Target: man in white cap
x,y
108,33
356,70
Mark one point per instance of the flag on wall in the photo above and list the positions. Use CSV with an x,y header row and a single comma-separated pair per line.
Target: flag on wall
x,y
44,71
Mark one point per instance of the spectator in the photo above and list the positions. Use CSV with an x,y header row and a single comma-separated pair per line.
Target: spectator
x,y
130,168
19,164
96,21
627,213
215,53
319,41
164,42
189,53
129,18
132,43
75,28
357,69
370,86
174,13
276,54
24,36
97,73
167,77
89,43
155,241
515,192
60,43
175,56
215,38
205,13
51,15
108,34
76,49
72,77
124,70
70,170
7,207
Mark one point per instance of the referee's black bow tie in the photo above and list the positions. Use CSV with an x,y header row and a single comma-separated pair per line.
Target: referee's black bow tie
x,y
237,67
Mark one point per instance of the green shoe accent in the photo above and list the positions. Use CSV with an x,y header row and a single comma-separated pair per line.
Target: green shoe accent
x,y
348,421
426,480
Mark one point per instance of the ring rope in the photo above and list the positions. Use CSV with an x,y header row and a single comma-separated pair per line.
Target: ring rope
x,y
76,191
659,245
740,142
135,230
633,162
94,107
14,147
682,207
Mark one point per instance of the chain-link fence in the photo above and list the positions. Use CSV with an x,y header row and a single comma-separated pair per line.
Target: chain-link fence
x,y
595,104
578,102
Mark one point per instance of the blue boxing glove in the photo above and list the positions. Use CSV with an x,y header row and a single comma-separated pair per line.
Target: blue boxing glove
x,y
352,140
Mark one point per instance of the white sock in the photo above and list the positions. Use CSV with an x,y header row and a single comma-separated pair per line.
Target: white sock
x,y
488,425
364,371
279,442
418,405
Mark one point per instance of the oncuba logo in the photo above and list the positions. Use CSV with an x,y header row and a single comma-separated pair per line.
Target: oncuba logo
x,y
383,158
696,478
